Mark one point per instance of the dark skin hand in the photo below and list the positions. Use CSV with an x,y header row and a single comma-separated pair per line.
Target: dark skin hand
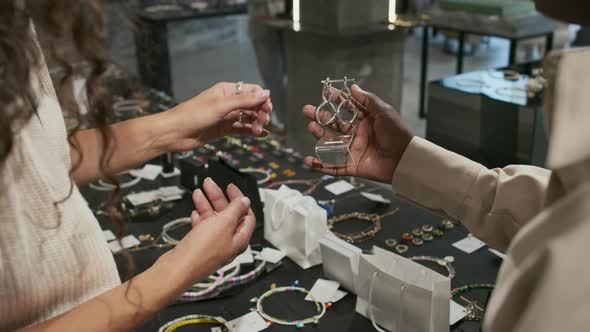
x,y
379,143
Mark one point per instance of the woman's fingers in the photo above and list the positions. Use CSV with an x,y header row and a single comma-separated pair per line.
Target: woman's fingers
x,y
239,128
196,218
215,195
317,165
315,129
251,101
202,204
233,192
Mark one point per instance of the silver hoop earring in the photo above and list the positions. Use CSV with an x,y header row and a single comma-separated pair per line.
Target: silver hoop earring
x,y
326,103
355,112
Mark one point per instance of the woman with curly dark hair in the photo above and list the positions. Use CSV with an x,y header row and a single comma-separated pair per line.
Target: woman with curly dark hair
x,y
56,271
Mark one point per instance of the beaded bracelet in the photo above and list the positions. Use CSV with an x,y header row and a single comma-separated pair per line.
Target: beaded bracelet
x,y
446,262
105,186
171,225
464,289
312,184
207,291
233,273
265,174
321,307
193,320
365,234
230,281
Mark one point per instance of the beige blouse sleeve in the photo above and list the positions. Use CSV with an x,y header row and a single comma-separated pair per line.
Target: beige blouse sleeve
x,y
493,204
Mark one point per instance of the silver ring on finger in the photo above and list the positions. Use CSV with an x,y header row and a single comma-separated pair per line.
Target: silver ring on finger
x,y
241,117
239,86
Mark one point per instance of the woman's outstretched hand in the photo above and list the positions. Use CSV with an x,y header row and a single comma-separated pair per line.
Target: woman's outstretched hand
x,y
379,143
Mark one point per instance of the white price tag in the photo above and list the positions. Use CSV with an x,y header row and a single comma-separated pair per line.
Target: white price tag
x,y
148,172
246,257
376,198
339,295
108,235
323,291
250,322
137,199
127,242
170,191
339,187
271,255
457,313
469,244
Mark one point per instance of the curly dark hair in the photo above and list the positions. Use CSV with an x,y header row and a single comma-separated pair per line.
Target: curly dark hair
x,y
74,35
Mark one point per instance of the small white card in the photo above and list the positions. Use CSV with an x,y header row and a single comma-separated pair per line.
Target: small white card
x,y
339,295
339,187
108,235
250,322
497,253
469,244
376,198
170,191
127,242
457,313
271,255
246,257
138,199
323,291
148,172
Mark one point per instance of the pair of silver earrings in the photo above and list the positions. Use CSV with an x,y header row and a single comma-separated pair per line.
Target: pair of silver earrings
x,y
328,106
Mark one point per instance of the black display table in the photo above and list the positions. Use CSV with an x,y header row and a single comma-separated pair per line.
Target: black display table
x,y
479,267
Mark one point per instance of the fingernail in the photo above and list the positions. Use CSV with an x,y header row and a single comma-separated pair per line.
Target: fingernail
x,y
271,106
263,94
198,191
194,213
208,179
246,202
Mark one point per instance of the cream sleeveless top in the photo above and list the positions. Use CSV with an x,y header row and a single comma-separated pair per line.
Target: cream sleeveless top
x,y
48,263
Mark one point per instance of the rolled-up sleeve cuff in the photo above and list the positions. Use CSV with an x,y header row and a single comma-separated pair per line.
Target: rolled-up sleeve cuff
x,y
435,178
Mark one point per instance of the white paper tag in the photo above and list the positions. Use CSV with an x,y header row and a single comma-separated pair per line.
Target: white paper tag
x,y
127,242
339,295
148,172
497,253
250,322
245,258
469,244
376,198
216,329
137,199
170,191
108,235
457,313
271,255
339,187
323,291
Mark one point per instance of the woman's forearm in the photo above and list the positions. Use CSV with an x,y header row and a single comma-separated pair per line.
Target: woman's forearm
x,y
136,141
124,307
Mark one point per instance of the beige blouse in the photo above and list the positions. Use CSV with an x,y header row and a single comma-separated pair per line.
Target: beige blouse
x,y
51,259
539,218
